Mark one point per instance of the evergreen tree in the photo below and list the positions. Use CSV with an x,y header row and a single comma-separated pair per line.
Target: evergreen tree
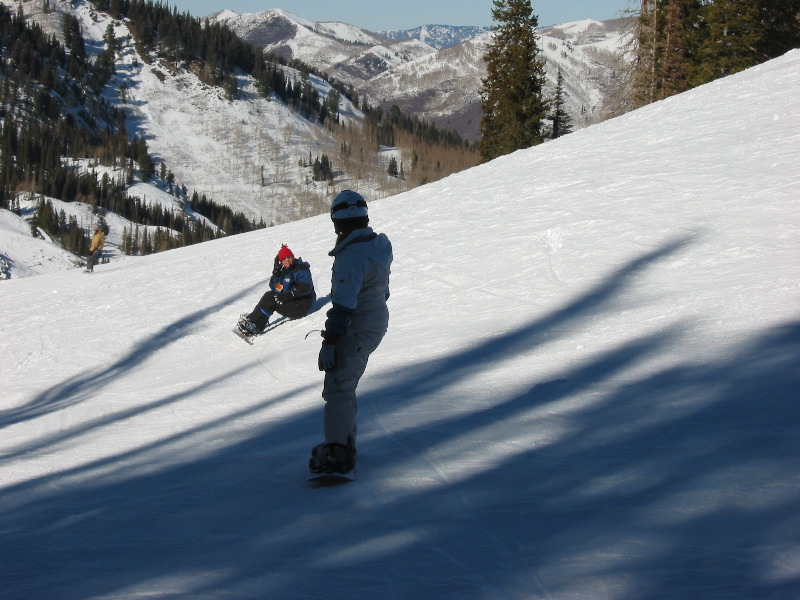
x,y
674,69
101,222
643,52
684,43
392,169
322,169
667,32
733,32
512,102
562,122
781,22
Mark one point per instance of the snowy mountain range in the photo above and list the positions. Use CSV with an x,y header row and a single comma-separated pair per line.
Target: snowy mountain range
x,y
588,390
435,70
437,36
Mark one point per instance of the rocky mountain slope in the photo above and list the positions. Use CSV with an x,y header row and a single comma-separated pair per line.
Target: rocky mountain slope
x,y
435,71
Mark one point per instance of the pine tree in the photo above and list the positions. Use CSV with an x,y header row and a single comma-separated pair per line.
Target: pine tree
x,y
392,169
781,22
734,30
101,222
674,68
644,76
512,102
562,122
127,240
684,43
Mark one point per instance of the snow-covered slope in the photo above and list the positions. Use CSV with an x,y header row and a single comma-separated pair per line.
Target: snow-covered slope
x,y
588,390
22,255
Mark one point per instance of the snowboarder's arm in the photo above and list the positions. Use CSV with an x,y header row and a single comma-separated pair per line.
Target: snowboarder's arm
x,y
302,283
335,327
337,323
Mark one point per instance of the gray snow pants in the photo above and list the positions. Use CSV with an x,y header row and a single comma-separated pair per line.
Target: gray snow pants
x,y
339,390
93,258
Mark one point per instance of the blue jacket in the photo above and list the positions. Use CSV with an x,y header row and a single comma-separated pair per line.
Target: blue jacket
x,y
359,284
295,281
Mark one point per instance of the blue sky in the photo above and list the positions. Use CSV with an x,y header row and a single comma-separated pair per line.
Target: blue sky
x,y
406,14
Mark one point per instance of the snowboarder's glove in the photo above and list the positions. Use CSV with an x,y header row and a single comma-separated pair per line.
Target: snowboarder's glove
x,y
327,357
276,269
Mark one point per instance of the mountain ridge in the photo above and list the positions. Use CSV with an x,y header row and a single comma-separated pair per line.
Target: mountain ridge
x,y
442,80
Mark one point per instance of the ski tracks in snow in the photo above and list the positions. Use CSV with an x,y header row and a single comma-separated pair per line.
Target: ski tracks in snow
x,y
433,479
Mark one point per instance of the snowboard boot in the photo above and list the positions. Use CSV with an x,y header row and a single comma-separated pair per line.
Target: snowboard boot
x,y
332,458
247,327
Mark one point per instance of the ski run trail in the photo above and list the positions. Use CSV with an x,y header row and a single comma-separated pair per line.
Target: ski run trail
x,y
590,388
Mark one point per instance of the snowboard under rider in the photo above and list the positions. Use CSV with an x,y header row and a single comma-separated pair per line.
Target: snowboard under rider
x,y
291,293
355,325
95,248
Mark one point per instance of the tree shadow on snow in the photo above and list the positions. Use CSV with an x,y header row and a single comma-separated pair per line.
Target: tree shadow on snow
x,y
78,388
679,482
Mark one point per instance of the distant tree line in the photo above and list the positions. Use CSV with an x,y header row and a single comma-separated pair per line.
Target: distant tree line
x,y
678,44
385,126
230,221
681,44
39,78
66,230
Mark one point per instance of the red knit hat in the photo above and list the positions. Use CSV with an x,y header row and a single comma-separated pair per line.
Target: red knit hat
x,y
284,252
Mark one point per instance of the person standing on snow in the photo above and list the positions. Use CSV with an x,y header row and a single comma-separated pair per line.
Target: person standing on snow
x,y
95,248
291,293
355,325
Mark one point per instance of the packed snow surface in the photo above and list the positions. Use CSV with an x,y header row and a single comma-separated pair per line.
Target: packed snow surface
x,y
590,388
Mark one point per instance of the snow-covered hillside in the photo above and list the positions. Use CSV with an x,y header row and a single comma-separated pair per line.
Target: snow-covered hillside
x,y
23,256
445,86
244,153
351,54
18,259
589,388
437,36
590,56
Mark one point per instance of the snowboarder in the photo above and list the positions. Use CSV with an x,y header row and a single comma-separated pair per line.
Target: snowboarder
x,y
95,248
291,293
355,325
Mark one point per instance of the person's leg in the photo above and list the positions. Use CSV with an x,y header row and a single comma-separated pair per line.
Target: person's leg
x,y
92,259
263,310
339,391
295,309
